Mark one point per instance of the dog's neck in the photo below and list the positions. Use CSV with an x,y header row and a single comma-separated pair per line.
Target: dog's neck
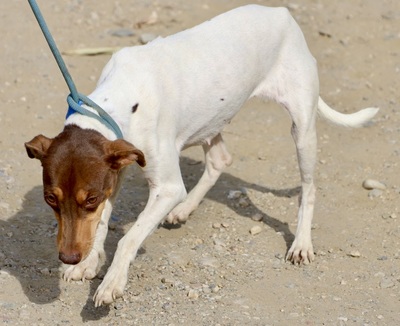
x,y
86,122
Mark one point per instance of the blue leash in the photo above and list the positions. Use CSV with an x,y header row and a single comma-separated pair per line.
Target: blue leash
x,y
75,99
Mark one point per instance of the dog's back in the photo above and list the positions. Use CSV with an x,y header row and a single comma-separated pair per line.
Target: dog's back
x,y
209,70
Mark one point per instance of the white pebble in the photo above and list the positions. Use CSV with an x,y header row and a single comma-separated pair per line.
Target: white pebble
x,y
255,230
216,225
354,253
193,294
373,184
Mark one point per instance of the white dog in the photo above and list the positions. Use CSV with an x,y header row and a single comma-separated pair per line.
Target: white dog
x,y
173,93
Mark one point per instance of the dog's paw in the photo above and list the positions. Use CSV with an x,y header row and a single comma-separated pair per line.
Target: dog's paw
x,y
87,269
110,289
180,213
300,253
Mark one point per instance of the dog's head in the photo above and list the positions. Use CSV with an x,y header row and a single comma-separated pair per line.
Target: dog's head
x,y
80,172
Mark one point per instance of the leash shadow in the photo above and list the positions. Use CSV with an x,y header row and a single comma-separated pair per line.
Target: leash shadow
x,y
27,247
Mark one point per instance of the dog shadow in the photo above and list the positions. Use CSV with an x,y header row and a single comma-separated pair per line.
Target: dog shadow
x,y
192,171
27,239
27,247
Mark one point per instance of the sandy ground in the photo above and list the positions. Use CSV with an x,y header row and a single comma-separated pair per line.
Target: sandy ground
x,y
212,271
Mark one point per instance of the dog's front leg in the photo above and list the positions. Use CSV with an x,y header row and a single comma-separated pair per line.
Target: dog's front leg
x,y
164,196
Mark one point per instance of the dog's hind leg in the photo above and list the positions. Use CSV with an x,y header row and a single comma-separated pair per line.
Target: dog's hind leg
x,y
304,135
216,159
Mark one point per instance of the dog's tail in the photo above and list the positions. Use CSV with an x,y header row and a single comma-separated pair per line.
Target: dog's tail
x,y
352,120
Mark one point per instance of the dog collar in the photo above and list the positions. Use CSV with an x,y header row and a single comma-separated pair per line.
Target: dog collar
x,y
102,116
71,111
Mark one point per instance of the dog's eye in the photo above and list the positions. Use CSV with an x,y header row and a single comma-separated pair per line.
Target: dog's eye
x,y
51,199
91,201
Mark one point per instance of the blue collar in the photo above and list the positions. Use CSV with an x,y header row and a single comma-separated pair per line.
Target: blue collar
x,y
103,116
71,111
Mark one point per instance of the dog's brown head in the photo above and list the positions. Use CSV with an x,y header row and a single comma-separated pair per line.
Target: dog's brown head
x,y
80,172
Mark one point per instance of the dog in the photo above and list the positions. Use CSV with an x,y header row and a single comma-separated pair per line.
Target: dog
x,y
165,96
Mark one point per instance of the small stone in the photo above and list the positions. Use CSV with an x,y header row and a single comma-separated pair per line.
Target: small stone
x,y
168,281
214,288
375,193
118,306
255,230
257,217
370,184
355,253
193,294
216,225
243,202
147,38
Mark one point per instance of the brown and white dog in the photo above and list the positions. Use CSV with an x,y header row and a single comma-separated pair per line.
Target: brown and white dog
x,y
173,93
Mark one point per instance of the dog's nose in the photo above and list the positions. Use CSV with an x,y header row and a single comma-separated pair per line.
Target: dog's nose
x,y
71,258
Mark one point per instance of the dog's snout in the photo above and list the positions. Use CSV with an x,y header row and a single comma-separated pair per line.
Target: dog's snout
x,y
71,258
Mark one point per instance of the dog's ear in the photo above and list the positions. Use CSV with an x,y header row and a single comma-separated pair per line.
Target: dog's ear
x,y
38,146
119,153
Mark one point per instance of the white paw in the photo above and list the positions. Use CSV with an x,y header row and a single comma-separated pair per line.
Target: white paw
x,y
111,288
180,213
87,269
301,252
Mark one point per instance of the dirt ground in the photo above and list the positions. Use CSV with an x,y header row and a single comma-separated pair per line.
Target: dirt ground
x,y
212,271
